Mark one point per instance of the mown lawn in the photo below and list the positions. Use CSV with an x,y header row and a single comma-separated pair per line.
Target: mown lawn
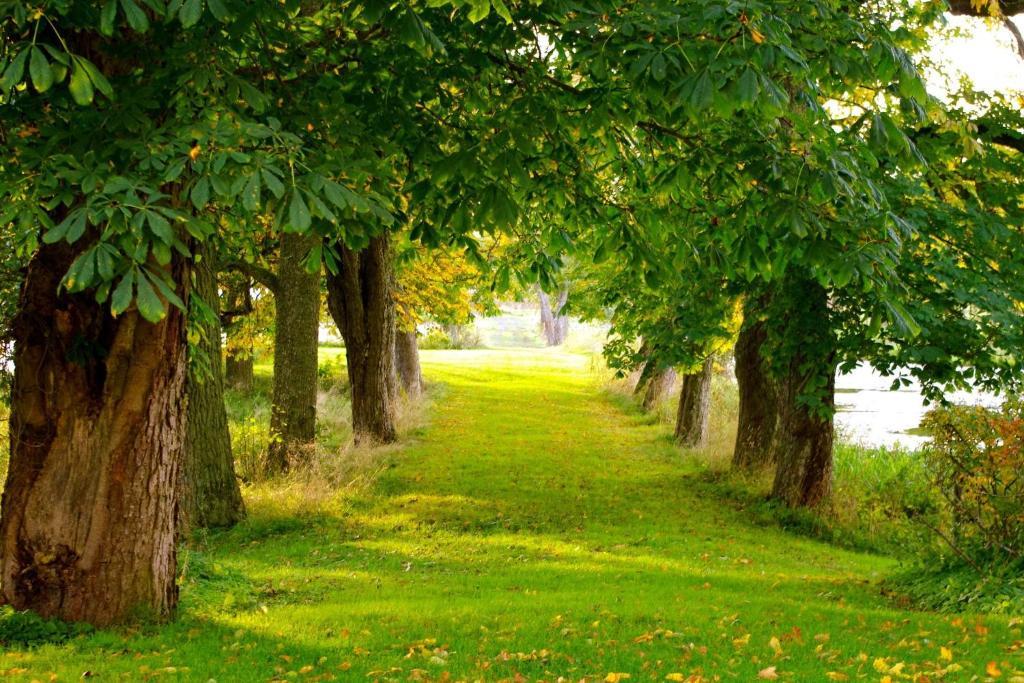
x,y
532,531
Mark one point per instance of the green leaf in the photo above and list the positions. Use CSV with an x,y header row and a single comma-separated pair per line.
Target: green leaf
x,y
502,10
136,17
107,17
703,91
298,213
478,11
96,76
80,85
190,13
251,193
658,66
273,183
14,71
39,68
217,9
200,194
748,86
150,305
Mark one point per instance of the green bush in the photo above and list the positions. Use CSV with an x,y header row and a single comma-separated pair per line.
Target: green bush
x,y
971,515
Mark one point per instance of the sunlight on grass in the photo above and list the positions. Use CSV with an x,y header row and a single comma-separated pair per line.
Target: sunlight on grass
x,y
535,530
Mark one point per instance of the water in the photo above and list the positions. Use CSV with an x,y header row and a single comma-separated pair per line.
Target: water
x,y
869,413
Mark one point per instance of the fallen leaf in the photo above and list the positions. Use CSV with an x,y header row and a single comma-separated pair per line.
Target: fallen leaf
x,y
946,654
769,673
992,669
615,677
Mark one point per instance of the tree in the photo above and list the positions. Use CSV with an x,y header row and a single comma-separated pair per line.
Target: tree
x,y
296,345
210,495
361,301
554,322
694,416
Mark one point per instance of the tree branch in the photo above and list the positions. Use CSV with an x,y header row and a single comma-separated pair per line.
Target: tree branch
x,y
262,275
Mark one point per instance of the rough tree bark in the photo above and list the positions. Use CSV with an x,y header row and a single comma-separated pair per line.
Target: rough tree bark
x,y
694,414
407,360
659,386
210,496
554,325
359,297
758,409
803,442
87,521
296,336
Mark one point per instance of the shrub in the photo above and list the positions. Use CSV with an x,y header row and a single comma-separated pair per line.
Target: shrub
x,y
977,462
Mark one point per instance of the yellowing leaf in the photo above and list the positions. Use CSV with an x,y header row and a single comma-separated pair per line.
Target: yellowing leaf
x,y
946,654
769,673
741,641
836,676
776,646
756,36
615,677
992,669
679,678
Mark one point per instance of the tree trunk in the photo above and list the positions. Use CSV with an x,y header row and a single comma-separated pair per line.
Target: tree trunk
x,y
238,370
758,411
659,386
407,359
238,365
296,332
804,437
359,297
554,325
97,426
695,407
210,496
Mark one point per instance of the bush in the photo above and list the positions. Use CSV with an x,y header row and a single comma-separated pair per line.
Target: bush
x,y
972,514
451,337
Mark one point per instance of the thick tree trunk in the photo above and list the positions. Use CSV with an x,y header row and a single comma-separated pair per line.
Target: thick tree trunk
x,y
359,297
87,522
804,437
758,409
554,325
407,360
694,415
659,386
210,496
238,370
296,332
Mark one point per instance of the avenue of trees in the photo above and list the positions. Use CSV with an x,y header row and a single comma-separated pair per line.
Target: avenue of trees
x,y
769,175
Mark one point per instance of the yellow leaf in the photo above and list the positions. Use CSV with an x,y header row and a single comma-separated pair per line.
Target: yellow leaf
x,y
741,641
680,678
881,666
992,669
775,645
756,36
769,673
886,679
615,677
836,676
946,654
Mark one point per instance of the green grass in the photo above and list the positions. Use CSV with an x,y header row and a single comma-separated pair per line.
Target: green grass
x,y
534,529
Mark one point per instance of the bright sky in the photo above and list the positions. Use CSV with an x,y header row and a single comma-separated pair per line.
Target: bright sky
x,y
982,50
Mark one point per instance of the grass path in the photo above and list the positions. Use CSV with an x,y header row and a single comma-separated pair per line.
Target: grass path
x,y
534,530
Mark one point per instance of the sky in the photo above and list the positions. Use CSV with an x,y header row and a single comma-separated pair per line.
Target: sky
x,y
983,50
